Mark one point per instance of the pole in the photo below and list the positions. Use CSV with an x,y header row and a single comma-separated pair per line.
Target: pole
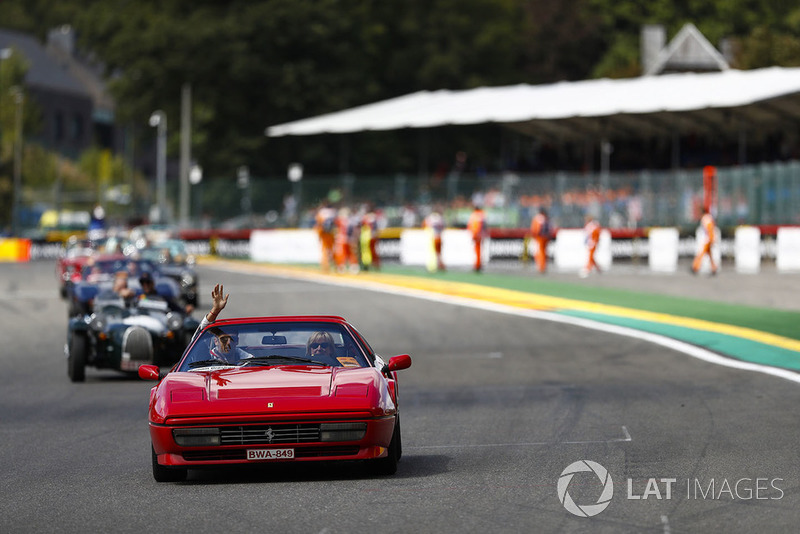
x,y
18,99
195,177
186,153
159,120
162,169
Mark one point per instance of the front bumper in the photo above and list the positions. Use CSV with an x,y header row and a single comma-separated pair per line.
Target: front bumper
x,y
374,444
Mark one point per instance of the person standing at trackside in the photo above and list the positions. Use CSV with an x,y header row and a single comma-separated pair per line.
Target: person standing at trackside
x,y
434,223
369,240
477,227
374,220
343,248
325,226
592,231
541,233
709,229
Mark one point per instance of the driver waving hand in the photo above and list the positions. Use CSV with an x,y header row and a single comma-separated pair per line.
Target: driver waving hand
x,y
225,344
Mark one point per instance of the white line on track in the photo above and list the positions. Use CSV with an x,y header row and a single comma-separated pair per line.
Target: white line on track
x,y
665,522
674,344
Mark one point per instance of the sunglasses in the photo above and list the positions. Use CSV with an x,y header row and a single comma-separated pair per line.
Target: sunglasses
x,y
323,345
226,339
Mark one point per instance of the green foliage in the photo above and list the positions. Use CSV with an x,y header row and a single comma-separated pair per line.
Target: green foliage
x,y
12,73
255,64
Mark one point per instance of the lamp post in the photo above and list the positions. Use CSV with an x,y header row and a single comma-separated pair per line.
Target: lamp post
x,y
243,181
18,100
159,120
295,175
195,177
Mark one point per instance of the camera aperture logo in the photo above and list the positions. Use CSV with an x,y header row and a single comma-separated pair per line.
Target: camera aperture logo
x,y
586,510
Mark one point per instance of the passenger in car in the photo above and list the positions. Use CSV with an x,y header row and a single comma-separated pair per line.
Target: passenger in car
x,y
120,286
320,344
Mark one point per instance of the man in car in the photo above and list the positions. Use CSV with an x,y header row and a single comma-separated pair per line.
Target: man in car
x,y
225,345
120,286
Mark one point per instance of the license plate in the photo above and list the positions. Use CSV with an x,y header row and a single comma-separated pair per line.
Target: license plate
x,y
270,454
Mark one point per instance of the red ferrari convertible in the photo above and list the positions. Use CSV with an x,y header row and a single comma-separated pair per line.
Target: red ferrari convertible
x,y
275,389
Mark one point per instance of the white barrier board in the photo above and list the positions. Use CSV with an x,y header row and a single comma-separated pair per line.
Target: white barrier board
x,y
457,248
285,246
663,249
787,255
415,247
747,249
570,252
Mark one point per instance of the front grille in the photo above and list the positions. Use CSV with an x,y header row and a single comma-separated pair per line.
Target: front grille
x,y
269,434
137,344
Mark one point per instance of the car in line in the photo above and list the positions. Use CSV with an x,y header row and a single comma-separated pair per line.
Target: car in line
x,y
277,398
122,334
173,260
75,254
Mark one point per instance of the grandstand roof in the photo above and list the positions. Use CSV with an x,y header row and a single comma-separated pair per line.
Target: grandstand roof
x,y
719,103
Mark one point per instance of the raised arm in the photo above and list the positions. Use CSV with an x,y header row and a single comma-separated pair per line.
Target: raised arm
x,y
219,303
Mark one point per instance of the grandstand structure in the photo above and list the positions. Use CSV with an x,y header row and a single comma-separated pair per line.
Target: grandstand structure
x,y
651,135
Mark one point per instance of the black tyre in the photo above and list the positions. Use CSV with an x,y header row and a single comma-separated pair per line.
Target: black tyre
x,y
388,465
76,359
166,474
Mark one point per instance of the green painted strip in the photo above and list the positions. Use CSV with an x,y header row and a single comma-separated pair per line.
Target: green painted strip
x,y
779,322
735,347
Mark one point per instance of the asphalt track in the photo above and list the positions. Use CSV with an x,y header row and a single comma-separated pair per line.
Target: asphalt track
x,y
495,407
762,339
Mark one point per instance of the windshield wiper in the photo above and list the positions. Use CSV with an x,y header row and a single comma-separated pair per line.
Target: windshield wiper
x,y
271,357
204,363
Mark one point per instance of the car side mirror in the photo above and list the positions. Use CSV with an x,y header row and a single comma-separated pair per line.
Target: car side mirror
x,y
397,363
149,372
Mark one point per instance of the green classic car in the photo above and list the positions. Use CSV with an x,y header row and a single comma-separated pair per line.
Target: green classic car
x,y
122,336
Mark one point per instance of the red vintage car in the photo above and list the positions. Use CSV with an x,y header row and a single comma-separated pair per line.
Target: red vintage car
x,y
70,263
275,389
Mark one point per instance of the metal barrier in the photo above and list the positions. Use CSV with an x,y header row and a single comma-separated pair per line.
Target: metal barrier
x,y
762,194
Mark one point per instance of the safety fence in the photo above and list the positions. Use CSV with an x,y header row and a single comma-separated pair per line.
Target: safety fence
x,y
762,194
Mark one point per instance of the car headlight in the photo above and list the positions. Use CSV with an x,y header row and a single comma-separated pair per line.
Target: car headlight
x,y
174,321
98,322
196,437
342,431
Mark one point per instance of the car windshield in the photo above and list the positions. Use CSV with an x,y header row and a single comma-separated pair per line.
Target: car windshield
x,y
270,344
